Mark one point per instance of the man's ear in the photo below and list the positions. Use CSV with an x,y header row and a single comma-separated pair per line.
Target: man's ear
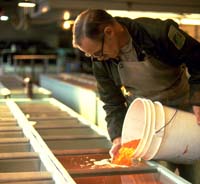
x,y
108,31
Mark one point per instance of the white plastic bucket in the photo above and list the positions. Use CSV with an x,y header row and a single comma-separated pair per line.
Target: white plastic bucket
x,y
151,124
128,131
165,133
146,129
157,136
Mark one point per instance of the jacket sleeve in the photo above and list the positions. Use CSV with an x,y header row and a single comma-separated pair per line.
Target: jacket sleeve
x,y
174,46
114,102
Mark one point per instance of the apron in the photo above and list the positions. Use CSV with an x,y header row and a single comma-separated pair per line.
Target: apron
x,y
155,80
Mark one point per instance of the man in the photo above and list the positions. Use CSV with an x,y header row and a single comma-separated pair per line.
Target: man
x,y
139,58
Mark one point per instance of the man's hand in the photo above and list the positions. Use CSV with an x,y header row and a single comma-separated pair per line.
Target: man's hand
x,y
115,147
196,110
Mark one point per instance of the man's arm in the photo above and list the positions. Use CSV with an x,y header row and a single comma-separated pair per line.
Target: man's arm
x,y
112,97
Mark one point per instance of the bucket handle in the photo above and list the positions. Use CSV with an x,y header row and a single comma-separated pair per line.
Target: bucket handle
x,y
157,131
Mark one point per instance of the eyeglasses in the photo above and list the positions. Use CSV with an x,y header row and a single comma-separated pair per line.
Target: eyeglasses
x,y
99,54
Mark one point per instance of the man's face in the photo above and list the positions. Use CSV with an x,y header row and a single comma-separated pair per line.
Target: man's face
x,y
104,49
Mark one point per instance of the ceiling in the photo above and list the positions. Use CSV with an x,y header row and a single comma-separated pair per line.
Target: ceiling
x,y
57,7
191,6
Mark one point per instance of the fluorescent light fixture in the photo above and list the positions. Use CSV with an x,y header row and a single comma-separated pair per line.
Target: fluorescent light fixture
x,y
189,19
5,92
45,9
26,4
67,24
66,15
3,18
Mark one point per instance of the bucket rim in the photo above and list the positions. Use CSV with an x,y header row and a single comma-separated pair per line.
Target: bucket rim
x,y
152,124
157,139
125,127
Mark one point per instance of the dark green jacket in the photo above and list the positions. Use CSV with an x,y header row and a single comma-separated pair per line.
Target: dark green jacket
x,y
156,38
